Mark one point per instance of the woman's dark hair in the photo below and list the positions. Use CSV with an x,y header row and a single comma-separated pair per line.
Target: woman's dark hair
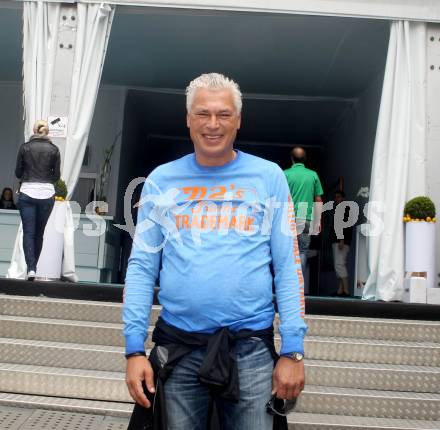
x,y
341,193
3,193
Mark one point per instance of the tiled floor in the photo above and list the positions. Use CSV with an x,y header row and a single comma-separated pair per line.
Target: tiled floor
x,y
40,419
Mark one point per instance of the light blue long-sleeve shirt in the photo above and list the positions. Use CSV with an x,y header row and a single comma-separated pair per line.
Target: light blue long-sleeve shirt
x,y
209,235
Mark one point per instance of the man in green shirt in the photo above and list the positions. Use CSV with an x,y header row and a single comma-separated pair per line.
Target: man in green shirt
x,y
305,189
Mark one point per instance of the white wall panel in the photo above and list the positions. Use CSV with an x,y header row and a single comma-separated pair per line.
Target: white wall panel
x,y
433,132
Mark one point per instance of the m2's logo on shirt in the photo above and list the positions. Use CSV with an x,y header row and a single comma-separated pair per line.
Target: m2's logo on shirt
x,y
221,207
218,193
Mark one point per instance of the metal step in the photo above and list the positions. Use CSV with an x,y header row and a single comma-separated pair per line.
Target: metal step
x,y
330,349
58,354
324,326
373,351
372,328
63,382
110,386
44,307
319,372
63,404
369,403
94,333
67,355
420,379
303,421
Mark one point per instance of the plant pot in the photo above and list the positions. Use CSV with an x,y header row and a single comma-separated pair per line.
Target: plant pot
x,y
420,250
51,259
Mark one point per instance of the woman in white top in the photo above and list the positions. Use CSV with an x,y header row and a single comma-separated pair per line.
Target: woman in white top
x,y
38,168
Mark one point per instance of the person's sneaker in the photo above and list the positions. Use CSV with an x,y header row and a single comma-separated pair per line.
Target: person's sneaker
x,y
31,275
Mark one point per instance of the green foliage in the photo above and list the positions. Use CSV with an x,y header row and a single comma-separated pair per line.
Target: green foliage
x,y
420,208
104,171
60,189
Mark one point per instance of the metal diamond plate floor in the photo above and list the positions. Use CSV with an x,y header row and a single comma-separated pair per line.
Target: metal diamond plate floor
x,y
40,419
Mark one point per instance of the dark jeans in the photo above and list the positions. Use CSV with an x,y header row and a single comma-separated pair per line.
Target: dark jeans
x,y
187,399
34,215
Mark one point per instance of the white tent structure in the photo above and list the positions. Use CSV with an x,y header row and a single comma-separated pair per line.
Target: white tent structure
x,y
402,166
43,63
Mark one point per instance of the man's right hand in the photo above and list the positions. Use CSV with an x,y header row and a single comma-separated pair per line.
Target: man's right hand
x,y
138,370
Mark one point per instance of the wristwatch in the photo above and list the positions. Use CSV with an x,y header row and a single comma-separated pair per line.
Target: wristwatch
x,y
295,356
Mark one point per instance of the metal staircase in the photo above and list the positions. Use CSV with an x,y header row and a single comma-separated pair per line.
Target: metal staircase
x,y
361,373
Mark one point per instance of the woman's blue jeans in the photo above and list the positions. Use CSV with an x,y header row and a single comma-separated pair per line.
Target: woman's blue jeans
x,y
34,215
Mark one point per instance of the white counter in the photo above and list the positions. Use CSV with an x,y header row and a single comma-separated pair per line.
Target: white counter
x,y
96,256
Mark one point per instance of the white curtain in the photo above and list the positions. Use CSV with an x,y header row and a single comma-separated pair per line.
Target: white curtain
x,y
94,24
40,27
40,34
398,171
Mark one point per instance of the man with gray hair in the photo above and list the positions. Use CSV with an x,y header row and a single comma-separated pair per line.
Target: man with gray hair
x,y
214,348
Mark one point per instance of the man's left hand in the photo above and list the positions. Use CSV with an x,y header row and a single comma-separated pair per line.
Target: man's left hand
x,y
288,378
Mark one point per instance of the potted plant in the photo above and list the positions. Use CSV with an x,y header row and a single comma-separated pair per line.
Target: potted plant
x,y
419,218
60,190
51,259
101,207
419,209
